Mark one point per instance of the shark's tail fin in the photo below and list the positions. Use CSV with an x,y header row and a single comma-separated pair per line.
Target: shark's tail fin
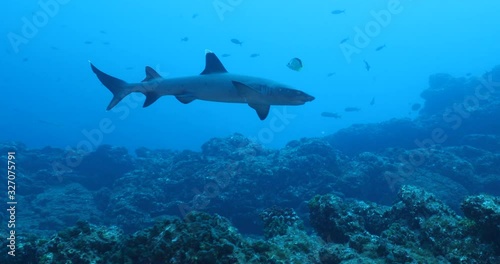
x,y
116,86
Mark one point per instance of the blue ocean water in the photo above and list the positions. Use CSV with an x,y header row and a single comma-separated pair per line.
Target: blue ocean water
x,y
396,159
52,96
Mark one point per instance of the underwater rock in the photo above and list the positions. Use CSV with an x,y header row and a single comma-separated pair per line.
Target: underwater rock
x,y
277,221
83,243
330,217
236,147
484,210
396,133
482,141
200,238
60,207
103,166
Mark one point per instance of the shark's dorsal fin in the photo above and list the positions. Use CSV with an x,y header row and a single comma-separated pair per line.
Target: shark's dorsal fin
x,y
150,74
212,64
261,109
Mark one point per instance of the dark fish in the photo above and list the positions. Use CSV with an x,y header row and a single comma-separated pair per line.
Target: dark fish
x,y
54,48
338,11
254,55
372,102
184,39
344,40
25,59
195,15
295,64
468,74
380,48
225,55
330,74
236,41
88,42
352,109
330,114
105,43
416,107
367,66
102,32
129,68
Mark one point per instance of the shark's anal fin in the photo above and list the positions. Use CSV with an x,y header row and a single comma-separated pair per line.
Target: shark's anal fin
x,y
245,90
151,97
185,98
261,109
212,64
151,74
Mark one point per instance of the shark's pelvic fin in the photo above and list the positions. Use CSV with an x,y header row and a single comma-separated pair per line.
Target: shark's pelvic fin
x,y
151,74
116,86
212,64
261,109
185,98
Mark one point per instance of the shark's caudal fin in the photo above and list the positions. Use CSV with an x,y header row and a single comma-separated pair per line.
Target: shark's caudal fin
x,y
115,85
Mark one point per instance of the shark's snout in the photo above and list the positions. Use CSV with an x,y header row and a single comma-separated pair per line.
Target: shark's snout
x,y
309,98
304,98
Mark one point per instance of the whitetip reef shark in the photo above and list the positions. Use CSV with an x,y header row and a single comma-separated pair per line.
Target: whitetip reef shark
x,y
213,84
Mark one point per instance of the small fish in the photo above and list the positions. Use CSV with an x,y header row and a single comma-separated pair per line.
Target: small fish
x,y
338,11
195,15
468,74
129,68
105,43
184,39
54,48
367,66
380,48
330,114
25,59
344,40
352,109
372,102
88,42
254,55
295,64
416,107
102,32
330,74
236,41
225,55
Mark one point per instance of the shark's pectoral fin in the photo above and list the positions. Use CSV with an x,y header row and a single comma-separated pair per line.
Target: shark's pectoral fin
x,y
185,98
151,74
261,109
245,90
151,97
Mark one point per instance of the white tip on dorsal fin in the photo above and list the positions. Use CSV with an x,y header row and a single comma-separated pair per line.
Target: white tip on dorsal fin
x,y
212,64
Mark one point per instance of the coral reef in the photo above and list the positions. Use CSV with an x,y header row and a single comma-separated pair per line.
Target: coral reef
x,y
417,228
402,191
